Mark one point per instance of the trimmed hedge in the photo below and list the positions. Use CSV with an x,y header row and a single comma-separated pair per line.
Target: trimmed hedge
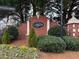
x,y
13,32
72,43
51,44
21,52
56,31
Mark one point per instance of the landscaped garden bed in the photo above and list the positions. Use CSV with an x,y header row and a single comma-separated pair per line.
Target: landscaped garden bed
x,y
9,34
51,44
13,52
72,43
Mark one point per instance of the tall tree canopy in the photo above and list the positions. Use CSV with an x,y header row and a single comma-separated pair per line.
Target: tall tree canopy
x,y
49,8
69,6
52,10
8,2
53,7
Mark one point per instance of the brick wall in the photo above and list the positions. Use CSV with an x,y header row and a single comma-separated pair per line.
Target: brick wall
x,y
39,31
53,23
73,29
22,31
42,30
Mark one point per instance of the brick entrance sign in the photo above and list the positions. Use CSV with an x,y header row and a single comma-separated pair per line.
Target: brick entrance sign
x,y
40,25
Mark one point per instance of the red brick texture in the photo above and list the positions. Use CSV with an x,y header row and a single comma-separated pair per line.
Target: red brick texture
x,y
39,31
22,39
53,23
70,29
43,30
22,31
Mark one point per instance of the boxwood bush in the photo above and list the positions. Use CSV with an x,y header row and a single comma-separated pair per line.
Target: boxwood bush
x,y
56,31
13,32
51,44
72,43
13,52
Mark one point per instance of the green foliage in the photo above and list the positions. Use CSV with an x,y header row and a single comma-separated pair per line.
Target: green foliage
x,y
5,38
13,32
38,5
8,2
67,4
56,31
32,38
51,44
13,52
72,43
9,35
0,38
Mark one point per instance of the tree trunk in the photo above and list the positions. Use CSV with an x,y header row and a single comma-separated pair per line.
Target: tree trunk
x,y
21,16
34,9
64,17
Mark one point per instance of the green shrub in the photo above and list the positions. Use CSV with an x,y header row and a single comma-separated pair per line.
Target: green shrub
x,y
0,38
13,32
51,44
32,38
21,52
5,38
56,31
72,43
1,34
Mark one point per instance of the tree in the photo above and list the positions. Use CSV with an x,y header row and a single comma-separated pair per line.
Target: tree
x,y
8,2
22,8
38,5
52,10
20,5
51,6
68,6
76,9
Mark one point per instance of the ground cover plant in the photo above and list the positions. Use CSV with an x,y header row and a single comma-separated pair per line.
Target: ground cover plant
x,y
72,43
12,52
